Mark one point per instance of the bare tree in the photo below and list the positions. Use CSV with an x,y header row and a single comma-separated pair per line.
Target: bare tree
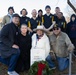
x,y
71,5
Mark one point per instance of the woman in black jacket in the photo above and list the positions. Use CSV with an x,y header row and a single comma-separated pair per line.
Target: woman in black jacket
x,y
71,30
24,42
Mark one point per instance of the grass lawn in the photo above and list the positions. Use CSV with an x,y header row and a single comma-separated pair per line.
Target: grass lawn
x,y
3,70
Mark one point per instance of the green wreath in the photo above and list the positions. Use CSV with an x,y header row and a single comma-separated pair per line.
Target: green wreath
x,y
34,69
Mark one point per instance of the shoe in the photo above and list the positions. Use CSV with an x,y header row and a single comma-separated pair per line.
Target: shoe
x,y
53,68
12,73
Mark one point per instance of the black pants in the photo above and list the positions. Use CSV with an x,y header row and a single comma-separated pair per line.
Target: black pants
x,y
23,63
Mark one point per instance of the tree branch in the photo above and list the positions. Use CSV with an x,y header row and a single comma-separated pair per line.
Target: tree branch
x,y
71,5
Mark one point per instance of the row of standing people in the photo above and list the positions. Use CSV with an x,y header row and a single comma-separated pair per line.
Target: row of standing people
x,y
46,19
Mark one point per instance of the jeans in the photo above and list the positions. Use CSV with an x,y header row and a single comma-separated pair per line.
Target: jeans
x,y
11,61
63,63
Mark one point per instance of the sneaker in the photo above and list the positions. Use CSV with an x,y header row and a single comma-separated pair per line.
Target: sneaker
x,y
53,68
12,73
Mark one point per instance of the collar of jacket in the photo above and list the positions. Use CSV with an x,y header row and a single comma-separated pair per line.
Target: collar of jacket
x,y
58,34
9,15
14,24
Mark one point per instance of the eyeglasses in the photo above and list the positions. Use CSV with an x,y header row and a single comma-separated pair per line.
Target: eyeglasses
x,y
56,28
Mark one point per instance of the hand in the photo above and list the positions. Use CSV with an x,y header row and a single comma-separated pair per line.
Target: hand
x,y
70,49
15,46
53,55
54,22
34,29
30,29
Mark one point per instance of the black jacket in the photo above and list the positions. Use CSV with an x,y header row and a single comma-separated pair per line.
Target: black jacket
x,y
24,43
24,20
48,20
34,23
62,23
71,28
8,37
40,19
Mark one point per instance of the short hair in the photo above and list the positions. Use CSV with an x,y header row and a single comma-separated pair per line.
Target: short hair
x,y
47,7
15,15
57,8
61,13
11,8
23,25
22,10
34,10
40,11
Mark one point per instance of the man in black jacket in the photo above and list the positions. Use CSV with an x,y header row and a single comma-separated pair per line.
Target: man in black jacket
x,y
8,48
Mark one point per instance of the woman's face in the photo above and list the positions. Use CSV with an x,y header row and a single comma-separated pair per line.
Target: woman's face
x,y
23,29
39,32
40,13
24,12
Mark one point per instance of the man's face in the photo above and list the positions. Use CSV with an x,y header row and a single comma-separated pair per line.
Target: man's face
x,y
57,10
56,31
11,12
60,15
39,32
16,20
34,13
48,10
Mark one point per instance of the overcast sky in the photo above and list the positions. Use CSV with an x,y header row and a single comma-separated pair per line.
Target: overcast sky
x,y
31,4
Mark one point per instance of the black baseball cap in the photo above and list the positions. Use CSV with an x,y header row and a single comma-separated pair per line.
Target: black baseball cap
x,y
16,15
56,26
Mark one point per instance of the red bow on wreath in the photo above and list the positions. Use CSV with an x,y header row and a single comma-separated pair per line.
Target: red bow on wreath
x,y
41,67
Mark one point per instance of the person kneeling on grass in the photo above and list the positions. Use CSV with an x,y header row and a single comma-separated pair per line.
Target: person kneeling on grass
x,y
24,43
8,48
60,48
40,42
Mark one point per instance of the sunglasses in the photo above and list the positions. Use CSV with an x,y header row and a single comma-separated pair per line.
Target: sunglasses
x,y
56,28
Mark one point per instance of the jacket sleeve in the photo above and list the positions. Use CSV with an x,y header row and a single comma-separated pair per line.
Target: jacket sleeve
x,y
33,40
51,50
68,28
5,36
30,42
69,43
47,46
4,20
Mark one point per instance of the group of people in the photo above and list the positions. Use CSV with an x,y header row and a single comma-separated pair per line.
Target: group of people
x,y
51,33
